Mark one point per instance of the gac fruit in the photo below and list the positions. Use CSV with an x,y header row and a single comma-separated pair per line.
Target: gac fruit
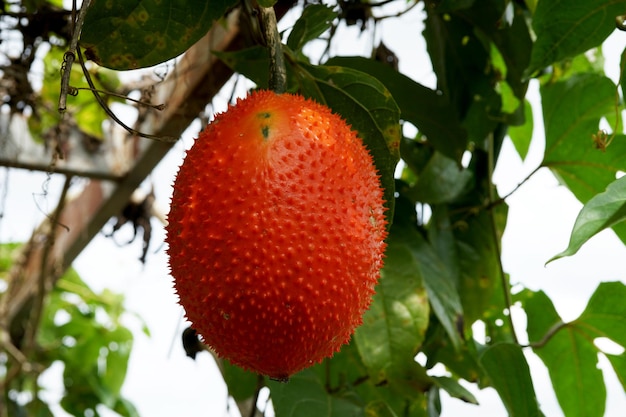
x,y
276,233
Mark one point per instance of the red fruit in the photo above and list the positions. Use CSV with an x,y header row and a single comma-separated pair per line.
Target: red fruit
x,y
276,233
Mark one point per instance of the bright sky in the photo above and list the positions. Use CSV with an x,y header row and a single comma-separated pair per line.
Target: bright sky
x,y
163,382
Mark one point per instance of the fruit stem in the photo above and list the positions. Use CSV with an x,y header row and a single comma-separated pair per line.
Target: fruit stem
x,y
278,72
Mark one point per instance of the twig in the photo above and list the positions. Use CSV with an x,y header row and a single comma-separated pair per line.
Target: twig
x,y
21,366
122,96
549,335
68,60
70,55
517,187
109,112
399,14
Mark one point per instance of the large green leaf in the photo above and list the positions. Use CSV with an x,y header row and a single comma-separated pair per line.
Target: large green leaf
x,y
305,396
570,356
565,28
436,275
428,110
441,181
367,106
602,211
512,381
572,110
605,313
114,357
241,384
394,326
478,258
134,34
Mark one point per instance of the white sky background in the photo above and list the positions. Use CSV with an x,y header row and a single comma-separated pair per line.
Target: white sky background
x,y
163,382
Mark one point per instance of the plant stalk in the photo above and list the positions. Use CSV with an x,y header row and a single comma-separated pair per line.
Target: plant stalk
x,y
278,71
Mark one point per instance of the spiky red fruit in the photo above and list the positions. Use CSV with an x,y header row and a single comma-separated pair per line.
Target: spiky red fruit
x,y
276,233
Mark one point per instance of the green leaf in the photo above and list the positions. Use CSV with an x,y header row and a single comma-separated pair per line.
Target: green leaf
x,y
605,313
315,20
510,376
618,362
442,181
253,62
572,110
428,110
368,107
437,277
622,77
379,409
478,258
241,384
125,408
454,389
87,112
394,326
521,136
305,396
602,211
115,362
134,34
570,356
565,28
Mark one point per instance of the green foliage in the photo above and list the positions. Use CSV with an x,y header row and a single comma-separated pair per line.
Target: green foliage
x,y
570,152
394,327
87,113
568,349
449,264
315,20
566,28
83,330
429,111
521,136
512,382
443,272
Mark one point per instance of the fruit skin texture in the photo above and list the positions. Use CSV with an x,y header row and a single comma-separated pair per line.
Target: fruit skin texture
x,y
276,233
